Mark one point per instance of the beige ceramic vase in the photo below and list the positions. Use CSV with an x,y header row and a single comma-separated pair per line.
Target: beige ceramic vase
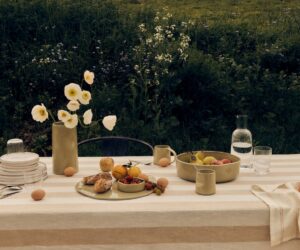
x,y
64,148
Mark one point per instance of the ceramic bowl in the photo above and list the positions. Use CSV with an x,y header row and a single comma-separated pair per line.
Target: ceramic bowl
x,y
224,173
131,188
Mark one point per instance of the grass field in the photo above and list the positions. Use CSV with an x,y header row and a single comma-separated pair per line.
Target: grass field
x,y
260,12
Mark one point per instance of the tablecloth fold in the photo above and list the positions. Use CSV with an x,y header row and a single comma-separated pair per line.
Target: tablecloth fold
x,y
284,203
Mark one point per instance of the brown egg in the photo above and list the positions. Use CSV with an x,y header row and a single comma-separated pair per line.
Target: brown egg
x,y
106,164
163,182
143,176
38,194
164,162
69,171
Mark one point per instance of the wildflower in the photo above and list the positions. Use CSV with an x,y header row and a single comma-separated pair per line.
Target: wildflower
x,y
85,97
87,117
39,113
72,91
109,122
73,105
71,122
63,115
89,77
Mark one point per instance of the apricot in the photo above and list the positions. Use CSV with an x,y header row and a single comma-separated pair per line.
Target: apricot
x,y
38,194
134,171
164,162
119,172
69,171
226,161
106,164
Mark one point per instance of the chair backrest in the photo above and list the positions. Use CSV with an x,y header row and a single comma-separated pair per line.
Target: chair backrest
x,y
114,146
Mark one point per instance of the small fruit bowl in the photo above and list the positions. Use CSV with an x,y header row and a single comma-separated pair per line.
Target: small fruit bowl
x,y
227,166
131,185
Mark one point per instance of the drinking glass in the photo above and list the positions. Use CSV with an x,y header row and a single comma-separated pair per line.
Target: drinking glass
x,y
262,159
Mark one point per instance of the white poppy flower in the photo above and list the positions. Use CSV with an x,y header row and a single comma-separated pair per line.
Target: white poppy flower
x,y
63,115
89,77
85,97
87,117
109,122
39,113
72,121
72,91
73,105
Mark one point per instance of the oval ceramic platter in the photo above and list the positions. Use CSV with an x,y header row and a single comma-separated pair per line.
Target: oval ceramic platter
x,y
112,194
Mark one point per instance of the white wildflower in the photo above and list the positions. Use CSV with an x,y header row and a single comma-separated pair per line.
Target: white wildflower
x,y
73,105
39,113
87,117
72,91
72,121
109,122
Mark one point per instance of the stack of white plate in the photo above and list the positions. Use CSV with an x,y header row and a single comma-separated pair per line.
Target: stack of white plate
x,y
21,168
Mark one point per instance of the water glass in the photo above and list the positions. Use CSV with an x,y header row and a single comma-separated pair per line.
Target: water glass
x,y
262,159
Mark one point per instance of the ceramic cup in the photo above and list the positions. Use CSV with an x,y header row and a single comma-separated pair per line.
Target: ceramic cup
x,y
205,181
163,151
15,145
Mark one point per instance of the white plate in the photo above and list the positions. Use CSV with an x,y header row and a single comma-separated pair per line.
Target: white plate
x,y
19,159
19,171
31,176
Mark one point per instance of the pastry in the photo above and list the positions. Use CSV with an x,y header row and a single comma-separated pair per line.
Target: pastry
x,y
102,186
91,180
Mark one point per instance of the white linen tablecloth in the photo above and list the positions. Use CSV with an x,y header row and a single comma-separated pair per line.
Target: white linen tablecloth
x,y
179,219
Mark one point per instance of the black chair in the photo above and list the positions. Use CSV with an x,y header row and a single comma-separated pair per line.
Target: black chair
x,y
114,146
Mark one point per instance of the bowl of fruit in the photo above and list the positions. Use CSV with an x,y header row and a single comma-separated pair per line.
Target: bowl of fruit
x,y
130,184
227,166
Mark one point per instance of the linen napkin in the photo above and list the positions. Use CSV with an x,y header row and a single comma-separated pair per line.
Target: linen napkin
x,y
284,203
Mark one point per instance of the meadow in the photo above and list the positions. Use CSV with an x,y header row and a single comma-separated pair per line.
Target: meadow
x,y
174,72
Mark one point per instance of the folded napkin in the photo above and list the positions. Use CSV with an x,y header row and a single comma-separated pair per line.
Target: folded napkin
x,y
284,203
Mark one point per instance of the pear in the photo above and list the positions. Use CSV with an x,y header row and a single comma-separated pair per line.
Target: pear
x,y
200,156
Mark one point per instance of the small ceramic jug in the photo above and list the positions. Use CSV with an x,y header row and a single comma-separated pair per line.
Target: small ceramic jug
x,y
163,151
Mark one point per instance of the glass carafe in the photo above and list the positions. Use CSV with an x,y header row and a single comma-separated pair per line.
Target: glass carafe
x,y
241,141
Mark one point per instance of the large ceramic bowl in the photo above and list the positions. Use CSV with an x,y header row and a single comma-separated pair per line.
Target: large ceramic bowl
x,y
224,173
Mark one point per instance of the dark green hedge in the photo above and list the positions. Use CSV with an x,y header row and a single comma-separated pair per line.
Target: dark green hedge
x,y
231,69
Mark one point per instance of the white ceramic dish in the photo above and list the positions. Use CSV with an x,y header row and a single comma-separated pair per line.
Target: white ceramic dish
x,y
19,159
18,169
14,178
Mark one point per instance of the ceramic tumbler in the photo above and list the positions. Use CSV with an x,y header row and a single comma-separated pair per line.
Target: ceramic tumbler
x,y
15,145
163,151
205,181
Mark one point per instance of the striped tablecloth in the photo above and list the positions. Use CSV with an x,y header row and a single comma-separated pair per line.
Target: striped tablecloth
x,y
179,219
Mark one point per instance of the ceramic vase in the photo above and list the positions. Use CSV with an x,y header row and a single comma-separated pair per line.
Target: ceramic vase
x,y
64,148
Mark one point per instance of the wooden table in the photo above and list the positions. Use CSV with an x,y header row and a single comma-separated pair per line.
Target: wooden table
x,y
179,219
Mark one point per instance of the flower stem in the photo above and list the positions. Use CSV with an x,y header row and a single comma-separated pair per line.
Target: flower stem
x,y
88,126
51,115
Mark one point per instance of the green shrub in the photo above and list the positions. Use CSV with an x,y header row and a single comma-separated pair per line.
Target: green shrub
x,y
230,68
